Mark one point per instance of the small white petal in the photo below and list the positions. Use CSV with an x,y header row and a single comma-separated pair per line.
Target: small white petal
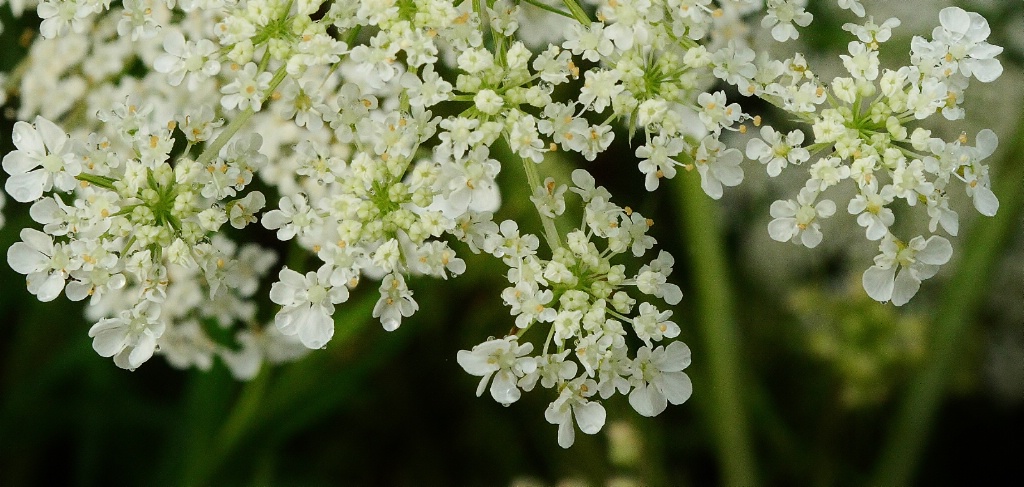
x,y
782,229
878,282
676,386
905,287
27,187
937,251
647,401
985,201
25,260
590,416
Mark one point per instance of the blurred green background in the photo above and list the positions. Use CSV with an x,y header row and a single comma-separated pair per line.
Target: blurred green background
x,y
799,378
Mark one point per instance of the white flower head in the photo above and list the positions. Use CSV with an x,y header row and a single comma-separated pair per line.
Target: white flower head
x,y
916,261
798,221
658,378
45,159
572,403
505,360
307,305
131,337
395,302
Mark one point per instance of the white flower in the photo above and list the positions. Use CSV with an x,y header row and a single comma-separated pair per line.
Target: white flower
x,y
97,274
652,324
509,244
590,42
45,158
524,139
295,216
909,182
777,152
489,102
827,172
658,378
395,302
243,211
428,89
797,221
572,401
962,36
549,198
718,166
137,20
916,261
716,112
870,32
870,207
586,186
307,305
131,337
58,16
551,369
853,6
976,174
247,90
657,159
46,265
527,303
782,14
600,87
862,63
653,279
502,358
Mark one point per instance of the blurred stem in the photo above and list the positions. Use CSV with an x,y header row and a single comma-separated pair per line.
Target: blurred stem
x,y
246,408
716,319
257,403
963,296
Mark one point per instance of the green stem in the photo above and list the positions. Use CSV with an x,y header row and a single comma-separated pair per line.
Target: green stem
x,y
211,152
533,178
549,8
958,308
95,180
238,422
715,310
577,12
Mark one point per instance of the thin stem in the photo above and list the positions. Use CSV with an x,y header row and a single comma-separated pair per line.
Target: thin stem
x,y
211,152
577,12
549,8
533,178
962,297
714,303
96,180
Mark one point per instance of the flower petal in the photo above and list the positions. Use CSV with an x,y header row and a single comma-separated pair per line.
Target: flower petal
x,y
590,416
905,287
878,282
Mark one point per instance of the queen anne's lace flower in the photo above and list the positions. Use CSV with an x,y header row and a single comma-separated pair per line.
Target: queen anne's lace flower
x,y
572,406
307,305
45,159
505,361
916,261
658,378
130,338
377,151
799,221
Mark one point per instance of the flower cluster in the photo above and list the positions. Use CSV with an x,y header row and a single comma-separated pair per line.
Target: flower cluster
x,y
861,126
376,131
578,298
